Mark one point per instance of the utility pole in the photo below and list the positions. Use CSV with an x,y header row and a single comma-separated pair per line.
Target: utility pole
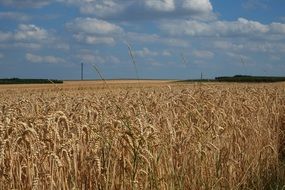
x,y
81,71
201,76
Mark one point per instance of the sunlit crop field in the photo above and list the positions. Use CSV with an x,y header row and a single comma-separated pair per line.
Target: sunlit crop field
x,y
147,135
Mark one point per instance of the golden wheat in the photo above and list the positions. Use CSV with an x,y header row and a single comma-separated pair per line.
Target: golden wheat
x,y
218,136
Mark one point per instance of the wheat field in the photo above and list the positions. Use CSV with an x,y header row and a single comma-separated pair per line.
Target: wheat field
x,y
143,136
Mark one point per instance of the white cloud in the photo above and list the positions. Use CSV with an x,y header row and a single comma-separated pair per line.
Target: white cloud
x,y
166,53
88,57
14,16
34,58
25,33
27,45
176,42
142,37
277,28
44,59
265,47
29,36
102,8
26,3
24,45
227,45
198,5
248,46
76,1
30,32
95,57
203,54
160,5
62,46
143,9
240,57
145,52
155,38
94,31
241,27
93,26
92,39
53,59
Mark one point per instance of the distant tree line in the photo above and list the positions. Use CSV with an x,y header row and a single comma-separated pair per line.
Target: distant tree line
x,y
239,78
28,81
248,78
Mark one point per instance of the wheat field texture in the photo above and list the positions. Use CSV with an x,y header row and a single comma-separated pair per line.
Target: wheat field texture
x,y
167,136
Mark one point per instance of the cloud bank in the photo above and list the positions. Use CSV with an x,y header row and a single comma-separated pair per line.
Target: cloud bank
x,y
241,27
143,9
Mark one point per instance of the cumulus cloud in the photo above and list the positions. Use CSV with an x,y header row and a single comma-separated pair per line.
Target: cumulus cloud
x,y
93,26
146,52
277,28
160,5
103,8
44,59
155,39
92,39
32,37
100,8
198,5
143,9
30,32
217,28
94,31
25,32
241,27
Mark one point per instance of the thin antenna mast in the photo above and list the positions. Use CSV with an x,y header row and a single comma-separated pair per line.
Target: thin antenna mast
x,y
242,60
81,71
183,59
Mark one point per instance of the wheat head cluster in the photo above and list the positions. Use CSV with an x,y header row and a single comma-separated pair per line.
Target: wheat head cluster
x,y
162,137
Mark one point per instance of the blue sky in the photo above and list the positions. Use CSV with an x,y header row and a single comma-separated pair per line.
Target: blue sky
x,y
170,39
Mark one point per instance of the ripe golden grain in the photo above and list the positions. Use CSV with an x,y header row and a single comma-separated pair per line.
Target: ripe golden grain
x,y
170,136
